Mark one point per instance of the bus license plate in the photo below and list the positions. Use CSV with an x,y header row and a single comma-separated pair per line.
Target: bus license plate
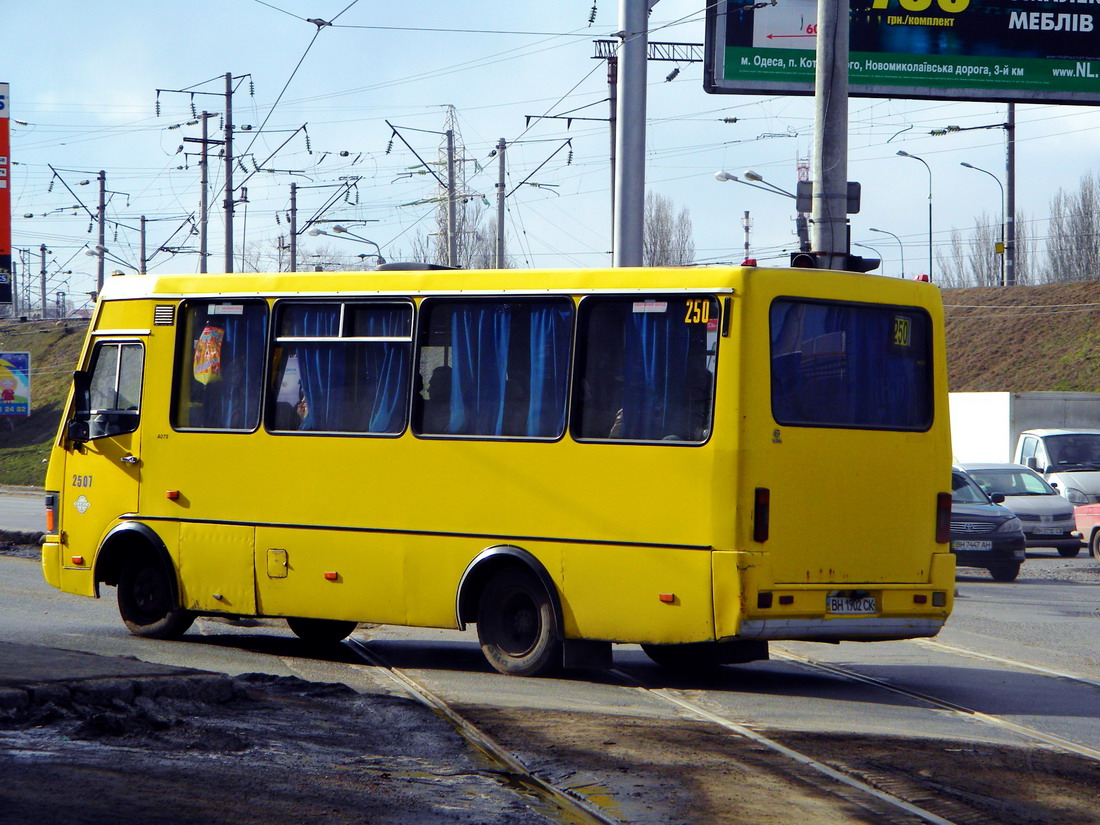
x,y
972,544
847,604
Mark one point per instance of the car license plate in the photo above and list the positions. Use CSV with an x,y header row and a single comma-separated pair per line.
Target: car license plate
x,y
1047,531
972,544
850,604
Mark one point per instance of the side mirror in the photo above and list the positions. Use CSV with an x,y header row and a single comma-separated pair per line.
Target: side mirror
x,y
997,498
1032,462
78,431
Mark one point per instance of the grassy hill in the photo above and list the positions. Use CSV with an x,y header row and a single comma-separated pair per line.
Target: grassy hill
x,y
25,441
1024,338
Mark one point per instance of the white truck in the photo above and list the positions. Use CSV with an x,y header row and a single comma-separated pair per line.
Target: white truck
x,y
1055,433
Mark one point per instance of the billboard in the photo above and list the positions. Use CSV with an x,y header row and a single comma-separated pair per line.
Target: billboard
x,y
15,383
989,50
5,199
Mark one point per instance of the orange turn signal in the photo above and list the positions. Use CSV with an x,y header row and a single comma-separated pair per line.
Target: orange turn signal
x,y
667,598
331,575
79,560
172,495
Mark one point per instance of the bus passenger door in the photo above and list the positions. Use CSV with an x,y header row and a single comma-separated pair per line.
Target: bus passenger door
x,y
102,444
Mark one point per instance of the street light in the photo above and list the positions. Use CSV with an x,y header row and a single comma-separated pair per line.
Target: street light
x,y
337,229
1004,249
904,154
755,179
901,247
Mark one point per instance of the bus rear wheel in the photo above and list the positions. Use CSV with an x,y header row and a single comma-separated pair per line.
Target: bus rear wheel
x,y
516,625
146,600
321,631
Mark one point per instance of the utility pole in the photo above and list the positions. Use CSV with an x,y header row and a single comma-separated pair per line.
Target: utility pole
x,y
42,251
502,144
748,228
142,235
101,215
1010,197
630,138
293,228
228,171
830,173
452,228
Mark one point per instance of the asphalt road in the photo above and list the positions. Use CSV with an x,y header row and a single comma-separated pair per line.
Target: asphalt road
x,y
21,510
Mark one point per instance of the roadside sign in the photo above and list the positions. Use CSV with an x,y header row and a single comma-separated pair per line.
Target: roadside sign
x,y
987,50
15,383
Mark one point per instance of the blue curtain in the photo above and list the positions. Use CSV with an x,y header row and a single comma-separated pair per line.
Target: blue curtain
x,y
386,370
233,403
321,368
480,336
550,343
656,366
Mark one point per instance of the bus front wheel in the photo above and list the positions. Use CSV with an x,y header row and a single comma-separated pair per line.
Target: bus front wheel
x,y
146,600
516,625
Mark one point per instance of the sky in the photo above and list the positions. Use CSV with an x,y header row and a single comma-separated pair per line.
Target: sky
x,y
84,80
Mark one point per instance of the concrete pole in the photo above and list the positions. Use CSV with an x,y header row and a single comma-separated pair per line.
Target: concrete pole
x,y
141,233
101,217
452,218
204,197
42,273
502,144
613,105
630,137
293,228
228,172
1010,198
830,172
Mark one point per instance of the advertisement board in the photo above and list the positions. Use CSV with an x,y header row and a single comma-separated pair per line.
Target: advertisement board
x,y
15,383
988,50
5,198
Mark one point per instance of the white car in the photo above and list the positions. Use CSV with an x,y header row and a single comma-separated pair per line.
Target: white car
x,y
1046,516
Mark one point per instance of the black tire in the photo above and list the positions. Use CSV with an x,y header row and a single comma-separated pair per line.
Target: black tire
x,y
1006,572
147,599
321,631
703,656
516,625
1094,544
1068,552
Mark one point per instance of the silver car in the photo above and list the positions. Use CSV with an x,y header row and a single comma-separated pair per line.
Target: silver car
x,y
1046,516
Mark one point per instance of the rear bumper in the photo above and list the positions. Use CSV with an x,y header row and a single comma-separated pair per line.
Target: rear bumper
x,y
853,629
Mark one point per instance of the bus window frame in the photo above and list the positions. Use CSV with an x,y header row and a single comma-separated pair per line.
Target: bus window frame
x,y
270,397
178,372
930,387
80,425
580,350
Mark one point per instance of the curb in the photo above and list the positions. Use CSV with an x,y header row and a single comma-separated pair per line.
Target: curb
x,y
21,537
207,688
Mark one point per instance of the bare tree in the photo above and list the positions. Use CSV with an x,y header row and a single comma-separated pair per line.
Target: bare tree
x,y
1073,244
666,238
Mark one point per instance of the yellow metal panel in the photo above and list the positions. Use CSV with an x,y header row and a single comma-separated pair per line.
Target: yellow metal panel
x,y
615,593
51,563
77,580
729,593
365,582
216,568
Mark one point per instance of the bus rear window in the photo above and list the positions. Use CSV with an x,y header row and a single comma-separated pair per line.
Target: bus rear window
x,y
861,366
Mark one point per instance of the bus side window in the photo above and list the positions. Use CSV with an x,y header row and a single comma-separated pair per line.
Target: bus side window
x,y
220,365
111,403
493,367
645,369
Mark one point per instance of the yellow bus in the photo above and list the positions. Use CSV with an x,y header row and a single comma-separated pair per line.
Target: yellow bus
x,y
697,460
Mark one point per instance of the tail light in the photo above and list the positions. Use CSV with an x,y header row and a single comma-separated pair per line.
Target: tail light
x,y
51,512
761,513
943,517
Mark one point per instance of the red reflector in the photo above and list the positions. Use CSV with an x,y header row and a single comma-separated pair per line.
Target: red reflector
x,y
667,598
78,560
786,599
920,598
331,575
943,517
761,513
172,494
